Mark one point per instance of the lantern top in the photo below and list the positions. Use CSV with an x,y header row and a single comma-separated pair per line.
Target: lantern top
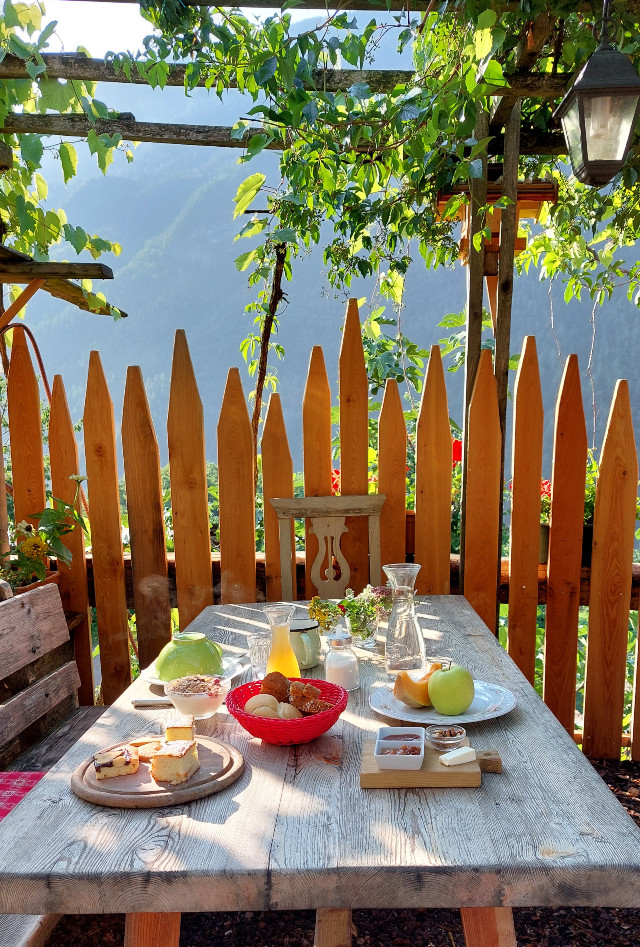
x,y
608,72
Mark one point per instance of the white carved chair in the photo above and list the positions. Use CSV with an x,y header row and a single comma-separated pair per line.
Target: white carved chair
x,y
327,515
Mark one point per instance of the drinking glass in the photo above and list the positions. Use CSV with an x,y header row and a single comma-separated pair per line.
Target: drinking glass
x,y
259,647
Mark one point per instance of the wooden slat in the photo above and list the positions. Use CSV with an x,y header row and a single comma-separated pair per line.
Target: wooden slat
x,y
482,532
333,927
635,708
25,432
528,423
74,590
565,548
27,930
277,481
106,536
613,536
237,496
316,448
433,483
149,930
4,514
31,624
392,475
146,520
24,272
488,927
189,498
29,705
354,440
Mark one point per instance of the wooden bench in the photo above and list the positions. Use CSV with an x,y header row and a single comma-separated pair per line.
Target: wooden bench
x,y
39,714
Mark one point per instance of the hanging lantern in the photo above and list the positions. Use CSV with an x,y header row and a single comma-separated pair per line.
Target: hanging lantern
x,y
599,112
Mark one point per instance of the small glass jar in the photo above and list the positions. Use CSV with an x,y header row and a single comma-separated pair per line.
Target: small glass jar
x,y
341,663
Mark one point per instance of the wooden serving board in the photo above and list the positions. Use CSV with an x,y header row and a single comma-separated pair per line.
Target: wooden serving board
x,y
220,765
432,774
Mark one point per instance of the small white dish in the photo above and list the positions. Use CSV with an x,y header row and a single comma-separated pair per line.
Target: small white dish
x,y
391,740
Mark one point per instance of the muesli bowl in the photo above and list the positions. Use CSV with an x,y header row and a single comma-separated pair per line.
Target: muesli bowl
x,y
199,694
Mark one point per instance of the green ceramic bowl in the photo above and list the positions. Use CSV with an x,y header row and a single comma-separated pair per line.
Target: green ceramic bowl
x,y
189,652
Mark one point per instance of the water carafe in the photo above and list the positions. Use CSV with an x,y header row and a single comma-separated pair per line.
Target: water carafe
x,y
405,644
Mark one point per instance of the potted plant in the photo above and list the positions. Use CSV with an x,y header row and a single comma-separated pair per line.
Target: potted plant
x,y
25,565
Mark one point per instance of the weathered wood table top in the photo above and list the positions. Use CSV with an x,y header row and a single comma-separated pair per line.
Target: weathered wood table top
x,y
296,831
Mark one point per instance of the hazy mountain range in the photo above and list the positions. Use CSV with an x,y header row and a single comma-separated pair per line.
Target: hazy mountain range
x,y
171,210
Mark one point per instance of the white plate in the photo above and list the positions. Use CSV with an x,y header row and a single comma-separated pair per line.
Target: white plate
x,y
231,667
490,700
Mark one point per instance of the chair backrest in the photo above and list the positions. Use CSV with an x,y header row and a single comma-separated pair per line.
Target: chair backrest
x,y
327,515
38,676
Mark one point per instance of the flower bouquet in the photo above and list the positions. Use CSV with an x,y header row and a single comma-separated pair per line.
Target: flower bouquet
x,y
363,612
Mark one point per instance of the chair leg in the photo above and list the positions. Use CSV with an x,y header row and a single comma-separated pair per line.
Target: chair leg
x,y
333,927
151,930
488,927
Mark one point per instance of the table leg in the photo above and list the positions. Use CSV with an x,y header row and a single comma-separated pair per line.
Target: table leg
x,y
333,927
488,927
151,930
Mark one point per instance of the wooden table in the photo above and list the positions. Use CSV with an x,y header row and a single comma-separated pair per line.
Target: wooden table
x,y
297,832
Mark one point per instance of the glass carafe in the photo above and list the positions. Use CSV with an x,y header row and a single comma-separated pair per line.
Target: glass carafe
x,y
282,657
405,644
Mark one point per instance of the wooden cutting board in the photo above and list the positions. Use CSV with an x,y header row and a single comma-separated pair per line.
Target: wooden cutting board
x,y
220,765
432,774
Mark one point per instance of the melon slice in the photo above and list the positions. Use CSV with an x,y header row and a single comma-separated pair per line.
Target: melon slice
x,y
414,693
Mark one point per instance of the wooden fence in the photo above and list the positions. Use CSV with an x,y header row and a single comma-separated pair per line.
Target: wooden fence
x,y
611,570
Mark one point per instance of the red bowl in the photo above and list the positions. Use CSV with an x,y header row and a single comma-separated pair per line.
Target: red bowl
x,y
285,732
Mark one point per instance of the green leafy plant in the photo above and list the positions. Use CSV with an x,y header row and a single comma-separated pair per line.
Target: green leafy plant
x,y
26,562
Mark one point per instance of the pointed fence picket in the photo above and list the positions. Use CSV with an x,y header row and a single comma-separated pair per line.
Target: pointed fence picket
x,y
482,535
236,491
277,481
316,449
433,483
565,548
106,536
392,476
613,535
610,592
528,421
146,520
25,432
189,492
354,442
63,456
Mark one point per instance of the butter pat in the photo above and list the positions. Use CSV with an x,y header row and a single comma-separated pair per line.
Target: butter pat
x,y
464,754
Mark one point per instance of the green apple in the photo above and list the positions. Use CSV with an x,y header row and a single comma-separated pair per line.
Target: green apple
x,y
451,690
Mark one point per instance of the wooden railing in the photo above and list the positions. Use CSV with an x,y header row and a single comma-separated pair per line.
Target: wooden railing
x,y
484,580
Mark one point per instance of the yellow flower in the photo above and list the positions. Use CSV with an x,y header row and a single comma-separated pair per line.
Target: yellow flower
x,y
33,548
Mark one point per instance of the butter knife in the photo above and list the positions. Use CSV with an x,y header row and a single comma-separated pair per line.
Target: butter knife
x,y
151,702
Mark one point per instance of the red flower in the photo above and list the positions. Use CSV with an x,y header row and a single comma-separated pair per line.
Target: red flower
x,y
335,482
545,488
457,451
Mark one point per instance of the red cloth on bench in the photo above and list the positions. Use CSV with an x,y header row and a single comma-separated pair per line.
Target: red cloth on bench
x,y
14,787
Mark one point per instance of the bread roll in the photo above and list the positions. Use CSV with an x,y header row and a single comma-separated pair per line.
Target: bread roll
x,y
260,700
288,712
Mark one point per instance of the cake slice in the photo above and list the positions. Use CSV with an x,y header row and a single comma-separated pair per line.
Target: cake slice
x,y
180,727
123,761
175,762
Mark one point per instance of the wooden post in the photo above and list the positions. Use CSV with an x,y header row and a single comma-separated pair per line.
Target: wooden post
x,y
488,927
392,475
106,534
333,927
277,481
189,497
433,483
146,520
151,930
316,434
475,277
74,590
354,442
528,421
25,432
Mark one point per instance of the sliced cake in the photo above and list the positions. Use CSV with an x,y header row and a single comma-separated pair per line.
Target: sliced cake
x,y
175,762
123,761
180,727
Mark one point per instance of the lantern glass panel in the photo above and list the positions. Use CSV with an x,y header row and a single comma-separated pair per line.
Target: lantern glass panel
x,y
571,128
608,123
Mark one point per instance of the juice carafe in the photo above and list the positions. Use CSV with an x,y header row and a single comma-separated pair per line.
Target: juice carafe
x,y
281,656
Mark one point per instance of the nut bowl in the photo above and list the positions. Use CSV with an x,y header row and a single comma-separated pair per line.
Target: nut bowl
x,y
286,732
444,738
199,694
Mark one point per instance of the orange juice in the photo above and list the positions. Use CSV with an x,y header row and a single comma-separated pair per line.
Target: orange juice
x,y
282,656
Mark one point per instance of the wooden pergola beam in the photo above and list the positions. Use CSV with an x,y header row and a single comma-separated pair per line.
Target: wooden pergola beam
x,y
394,5
217,136
25,272
81,68
529,48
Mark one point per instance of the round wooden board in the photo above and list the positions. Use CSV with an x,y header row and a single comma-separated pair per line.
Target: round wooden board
x,y
220,765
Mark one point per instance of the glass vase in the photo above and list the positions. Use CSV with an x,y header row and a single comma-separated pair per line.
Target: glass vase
x,y
405,649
